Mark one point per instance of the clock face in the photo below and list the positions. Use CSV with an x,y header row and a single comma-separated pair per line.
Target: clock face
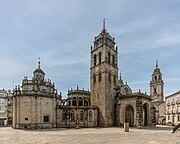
x,y
97,69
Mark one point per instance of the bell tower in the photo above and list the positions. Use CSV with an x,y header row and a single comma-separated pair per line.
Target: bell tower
x,y
104,76
157,85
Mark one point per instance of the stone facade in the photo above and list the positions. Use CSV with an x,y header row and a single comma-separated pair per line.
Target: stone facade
x,y
109,102
76,110
173,108
34,106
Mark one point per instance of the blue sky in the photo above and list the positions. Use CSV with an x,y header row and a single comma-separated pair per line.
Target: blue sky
x,y
62,31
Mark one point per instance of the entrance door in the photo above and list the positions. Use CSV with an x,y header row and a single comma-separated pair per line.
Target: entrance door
x,y
129,116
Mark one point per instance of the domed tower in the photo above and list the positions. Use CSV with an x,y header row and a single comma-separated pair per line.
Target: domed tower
x,y
157,85
34,102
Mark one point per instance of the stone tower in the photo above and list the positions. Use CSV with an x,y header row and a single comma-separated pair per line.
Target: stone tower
x,y
157,85
157,92
104,76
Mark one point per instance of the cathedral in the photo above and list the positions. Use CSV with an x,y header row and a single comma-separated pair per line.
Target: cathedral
x,y
110,101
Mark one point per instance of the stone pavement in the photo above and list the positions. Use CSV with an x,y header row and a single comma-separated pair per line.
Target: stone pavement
x,y
113,135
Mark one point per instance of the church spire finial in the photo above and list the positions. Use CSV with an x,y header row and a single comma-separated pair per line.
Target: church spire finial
x,y
156,63
104,25
39,63
120,75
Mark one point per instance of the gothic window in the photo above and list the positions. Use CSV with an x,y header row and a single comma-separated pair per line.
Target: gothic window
x,y
72,116
178,117
82,115
99,57
94,78
46,118
168,117
64,115
100,77
80,102
113,60
74,103
90,115
109,57
94,60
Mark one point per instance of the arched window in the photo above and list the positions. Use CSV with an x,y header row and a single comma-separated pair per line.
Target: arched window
x,y
82,115
155,78
72,116
74,103
90,115
80,101
85,103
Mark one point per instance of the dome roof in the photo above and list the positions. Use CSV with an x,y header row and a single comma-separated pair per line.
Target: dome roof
x,y
39,70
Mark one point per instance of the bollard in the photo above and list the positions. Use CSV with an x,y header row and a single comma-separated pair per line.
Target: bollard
x,y
126,127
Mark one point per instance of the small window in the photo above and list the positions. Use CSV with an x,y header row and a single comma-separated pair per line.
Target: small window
x,y
74,103
155,78
80,102
46,118
26,118
99,57
94,60
109,57
94,78
155,91
100,77
113,60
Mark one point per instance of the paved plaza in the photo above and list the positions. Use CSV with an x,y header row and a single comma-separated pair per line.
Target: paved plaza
x,y
113,135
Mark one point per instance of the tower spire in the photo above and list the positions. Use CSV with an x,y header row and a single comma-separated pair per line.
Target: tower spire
x,y
39,63
156,63
104,25
120,74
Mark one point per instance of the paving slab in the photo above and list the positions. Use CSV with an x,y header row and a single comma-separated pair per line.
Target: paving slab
x,y
112,135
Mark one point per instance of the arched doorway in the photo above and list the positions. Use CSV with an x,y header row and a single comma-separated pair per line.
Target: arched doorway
x,y
129,115
145,114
